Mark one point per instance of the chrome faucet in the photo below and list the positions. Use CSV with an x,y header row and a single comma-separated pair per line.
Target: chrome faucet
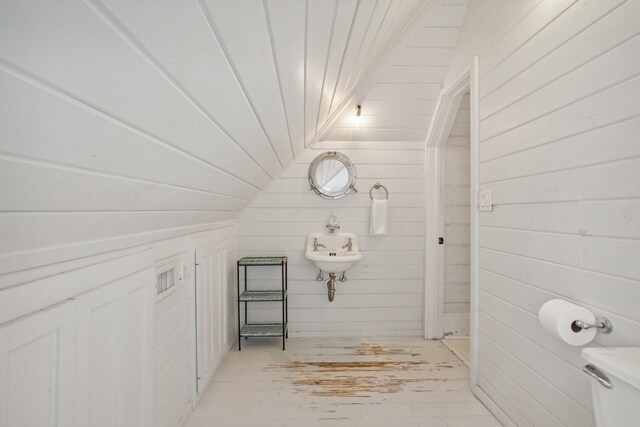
x,y
349,245
332,224
316,244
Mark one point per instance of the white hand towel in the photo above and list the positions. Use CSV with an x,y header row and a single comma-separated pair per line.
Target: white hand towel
x,y
378,226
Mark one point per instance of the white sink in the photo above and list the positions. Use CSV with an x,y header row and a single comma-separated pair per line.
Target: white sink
x,y
334,257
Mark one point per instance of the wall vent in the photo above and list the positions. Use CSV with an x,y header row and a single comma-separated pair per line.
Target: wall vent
x,y
166,280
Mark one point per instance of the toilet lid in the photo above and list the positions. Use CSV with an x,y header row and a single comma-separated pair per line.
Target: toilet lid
x,y
620,362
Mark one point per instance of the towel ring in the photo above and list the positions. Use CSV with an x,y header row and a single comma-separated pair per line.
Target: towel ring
x,y
377,186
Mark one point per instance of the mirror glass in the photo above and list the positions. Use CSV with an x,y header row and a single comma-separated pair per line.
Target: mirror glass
x,y
332,175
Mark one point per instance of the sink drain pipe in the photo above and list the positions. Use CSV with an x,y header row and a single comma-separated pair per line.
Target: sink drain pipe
x,y
330,284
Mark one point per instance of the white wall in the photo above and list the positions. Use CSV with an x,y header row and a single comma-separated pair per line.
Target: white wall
x,y
126,124
456,229
108,353
125,118
559,133
137,139
401,98
383,294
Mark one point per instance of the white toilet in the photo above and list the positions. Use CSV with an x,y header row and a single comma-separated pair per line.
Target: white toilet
x,y
615,385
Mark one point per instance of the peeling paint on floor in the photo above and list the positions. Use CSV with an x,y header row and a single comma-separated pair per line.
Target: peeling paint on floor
x,y
342,382
318,378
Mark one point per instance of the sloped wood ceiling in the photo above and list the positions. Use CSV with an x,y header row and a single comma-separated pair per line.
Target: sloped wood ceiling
x,y
122,117
399,104
239,85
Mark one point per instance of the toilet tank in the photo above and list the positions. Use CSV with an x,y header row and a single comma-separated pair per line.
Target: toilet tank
x,y
618,406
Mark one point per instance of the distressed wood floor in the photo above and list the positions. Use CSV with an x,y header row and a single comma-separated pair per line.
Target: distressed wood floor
x,y
342,382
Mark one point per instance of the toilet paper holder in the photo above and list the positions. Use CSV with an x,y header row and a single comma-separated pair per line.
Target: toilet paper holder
x,y
602,324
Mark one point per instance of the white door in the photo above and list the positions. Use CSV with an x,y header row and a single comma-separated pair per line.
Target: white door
x,y
37,366
210,312
115,353
172,397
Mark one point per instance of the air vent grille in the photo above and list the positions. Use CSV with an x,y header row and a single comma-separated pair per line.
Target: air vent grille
x,y
166,280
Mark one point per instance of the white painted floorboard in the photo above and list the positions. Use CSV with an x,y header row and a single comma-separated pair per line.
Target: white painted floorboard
x,y
341,382
460,347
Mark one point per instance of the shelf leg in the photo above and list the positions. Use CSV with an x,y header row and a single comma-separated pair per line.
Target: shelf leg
x,y
286,299
245,303
282,304
238,285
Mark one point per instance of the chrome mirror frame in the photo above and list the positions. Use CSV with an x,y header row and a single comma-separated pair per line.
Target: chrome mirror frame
x,y
351,169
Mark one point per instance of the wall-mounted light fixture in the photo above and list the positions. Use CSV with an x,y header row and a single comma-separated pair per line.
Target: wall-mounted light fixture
x,y
357,118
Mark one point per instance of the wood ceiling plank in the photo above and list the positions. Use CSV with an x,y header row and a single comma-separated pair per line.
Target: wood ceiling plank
x,y
287,22
243,32
320,20
60,51
178,37
344,21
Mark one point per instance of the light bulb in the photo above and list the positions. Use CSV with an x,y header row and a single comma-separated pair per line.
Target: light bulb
x,y
357,119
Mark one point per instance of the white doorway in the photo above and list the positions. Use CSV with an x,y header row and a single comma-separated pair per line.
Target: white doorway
x,y
443,309
456,235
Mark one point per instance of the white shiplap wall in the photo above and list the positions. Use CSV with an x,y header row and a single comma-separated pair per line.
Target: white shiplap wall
x,y
383,294
165,391
399,103
124,118
456,230
559,109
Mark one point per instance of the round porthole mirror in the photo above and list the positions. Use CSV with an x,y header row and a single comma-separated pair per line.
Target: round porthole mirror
x,y
332,175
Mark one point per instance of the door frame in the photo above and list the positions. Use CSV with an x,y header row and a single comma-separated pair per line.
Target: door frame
x,y
441,124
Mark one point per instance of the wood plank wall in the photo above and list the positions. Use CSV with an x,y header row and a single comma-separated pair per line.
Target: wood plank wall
x,y
124,118
87,285
560,125
456,229
383,294
399,104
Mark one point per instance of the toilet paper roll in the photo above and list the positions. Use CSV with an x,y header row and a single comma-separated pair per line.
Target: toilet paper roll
x,y
557,317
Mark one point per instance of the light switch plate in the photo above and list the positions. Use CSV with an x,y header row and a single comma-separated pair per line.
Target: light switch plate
x,y
486,201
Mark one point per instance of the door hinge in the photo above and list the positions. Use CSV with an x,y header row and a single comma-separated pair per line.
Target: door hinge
x,y
440,240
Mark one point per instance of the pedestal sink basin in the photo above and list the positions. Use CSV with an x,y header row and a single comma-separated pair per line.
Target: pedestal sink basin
x,y
331,252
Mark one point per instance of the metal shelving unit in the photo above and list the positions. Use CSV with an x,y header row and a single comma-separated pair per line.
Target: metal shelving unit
x,y
268,329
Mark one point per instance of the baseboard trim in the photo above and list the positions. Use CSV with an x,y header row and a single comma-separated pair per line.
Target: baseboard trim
x,y
492,406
